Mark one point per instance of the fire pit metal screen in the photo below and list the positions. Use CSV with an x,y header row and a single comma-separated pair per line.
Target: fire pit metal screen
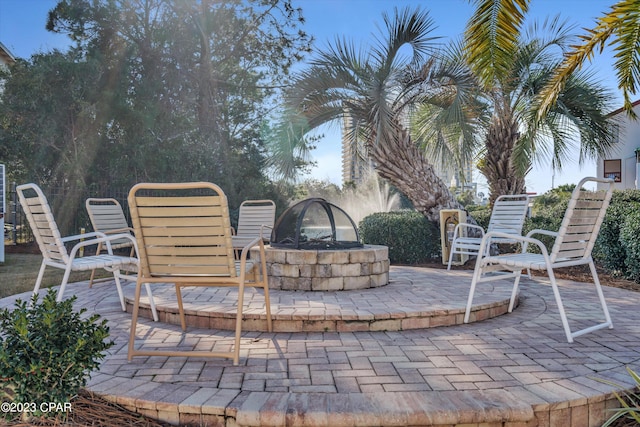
x,y
315,224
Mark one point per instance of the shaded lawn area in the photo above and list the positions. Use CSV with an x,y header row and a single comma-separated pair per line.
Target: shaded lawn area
x,y
19,272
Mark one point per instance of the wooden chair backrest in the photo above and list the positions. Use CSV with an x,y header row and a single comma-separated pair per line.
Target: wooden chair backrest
x,y
508,214
42,223
582,220
253,215
182,229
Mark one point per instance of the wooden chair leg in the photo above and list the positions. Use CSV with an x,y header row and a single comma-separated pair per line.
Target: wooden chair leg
x,y
183,322
134,321
239,314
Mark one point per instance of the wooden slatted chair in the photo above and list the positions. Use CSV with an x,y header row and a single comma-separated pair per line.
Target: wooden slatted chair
x,y
184,237
53,249
255,219
507,217
106,216
573,245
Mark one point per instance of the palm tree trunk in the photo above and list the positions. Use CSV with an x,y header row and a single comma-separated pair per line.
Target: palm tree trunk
x,y
498,166
404,165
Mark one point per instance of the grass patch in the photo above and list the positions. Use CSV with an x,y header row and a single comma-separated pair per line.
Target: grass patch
x,y
20,271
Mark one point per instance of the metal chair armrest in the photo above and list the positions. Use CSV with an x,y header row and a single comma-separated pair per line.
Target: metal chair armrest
x,y
525,240
89,235
119,230
245,253
262,228
541,231
104,239
456,230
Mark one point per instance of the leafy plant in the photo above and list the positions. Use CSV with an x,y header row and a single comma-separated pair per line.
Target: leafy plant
x,y
410,236
609,250
629,233
482,215
629,401
47,350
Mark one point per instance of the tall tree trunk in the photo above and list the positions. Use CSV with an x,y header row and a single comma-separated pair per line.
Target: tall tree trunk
x,y
498,167
404,165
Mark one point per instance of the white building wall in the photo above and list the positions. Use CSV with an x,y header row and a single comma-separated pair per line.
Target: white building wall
x,y
624,150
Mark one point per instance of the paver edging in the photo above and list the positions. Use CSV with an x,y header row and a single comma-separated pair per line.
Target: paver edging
x,y
433,408
298,322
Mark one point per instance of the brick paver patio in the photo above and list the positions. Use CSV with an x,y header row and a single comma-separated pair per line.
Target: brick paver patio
x,y
511,370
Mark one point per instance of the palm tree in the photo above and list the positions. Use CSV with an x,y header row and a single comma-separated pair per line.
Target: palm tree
x,y
377,90
513,66
618,28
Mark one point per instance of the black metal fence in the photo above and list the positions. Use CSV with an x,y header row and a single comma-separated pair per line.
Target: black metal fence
x,y
16,226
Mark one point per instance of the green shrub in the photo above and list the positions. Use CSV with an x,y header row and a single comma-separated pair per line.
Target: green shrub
x,y
629,232
544,220
47,351
481,215
609,249
629,412
411,238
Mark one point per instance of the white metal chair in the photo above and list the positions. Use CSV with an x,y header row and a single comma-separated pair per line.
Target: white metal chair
x,y
106,216
52,244
573,245
254,218
184,237
507,217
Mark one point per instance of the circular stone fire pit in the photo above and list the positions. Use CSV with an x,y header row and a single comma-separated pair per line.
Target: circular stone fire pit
x,y
315,246
326,270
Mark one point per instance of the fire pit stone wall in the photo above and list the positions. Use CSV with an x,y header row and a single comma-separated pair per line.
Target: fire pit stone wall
x,y
327,270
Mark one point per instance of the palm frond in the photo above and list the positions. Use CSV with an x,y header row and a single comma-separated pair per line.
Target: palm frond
x,y
492,37
449,110
581,109
620,27
288,146
406,26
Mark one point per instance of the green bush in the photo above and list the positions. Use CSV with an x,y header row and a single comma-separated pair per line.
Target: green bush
x,y
544,220
609,250
482,216
616,249
411,238
629,233
47,351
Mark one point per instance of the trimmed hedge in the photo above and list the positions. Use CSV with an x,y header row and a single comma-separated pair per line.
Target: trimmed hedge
x,y
615,248
411,238
629,233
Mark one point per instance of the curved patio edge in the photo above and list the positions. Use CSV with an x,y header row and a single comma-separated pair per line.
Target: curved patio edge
x,y
507,408
515,370
406,303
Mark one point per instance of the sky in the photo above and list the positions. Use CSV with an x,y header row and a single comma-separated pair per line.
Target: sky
x,y
22,31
